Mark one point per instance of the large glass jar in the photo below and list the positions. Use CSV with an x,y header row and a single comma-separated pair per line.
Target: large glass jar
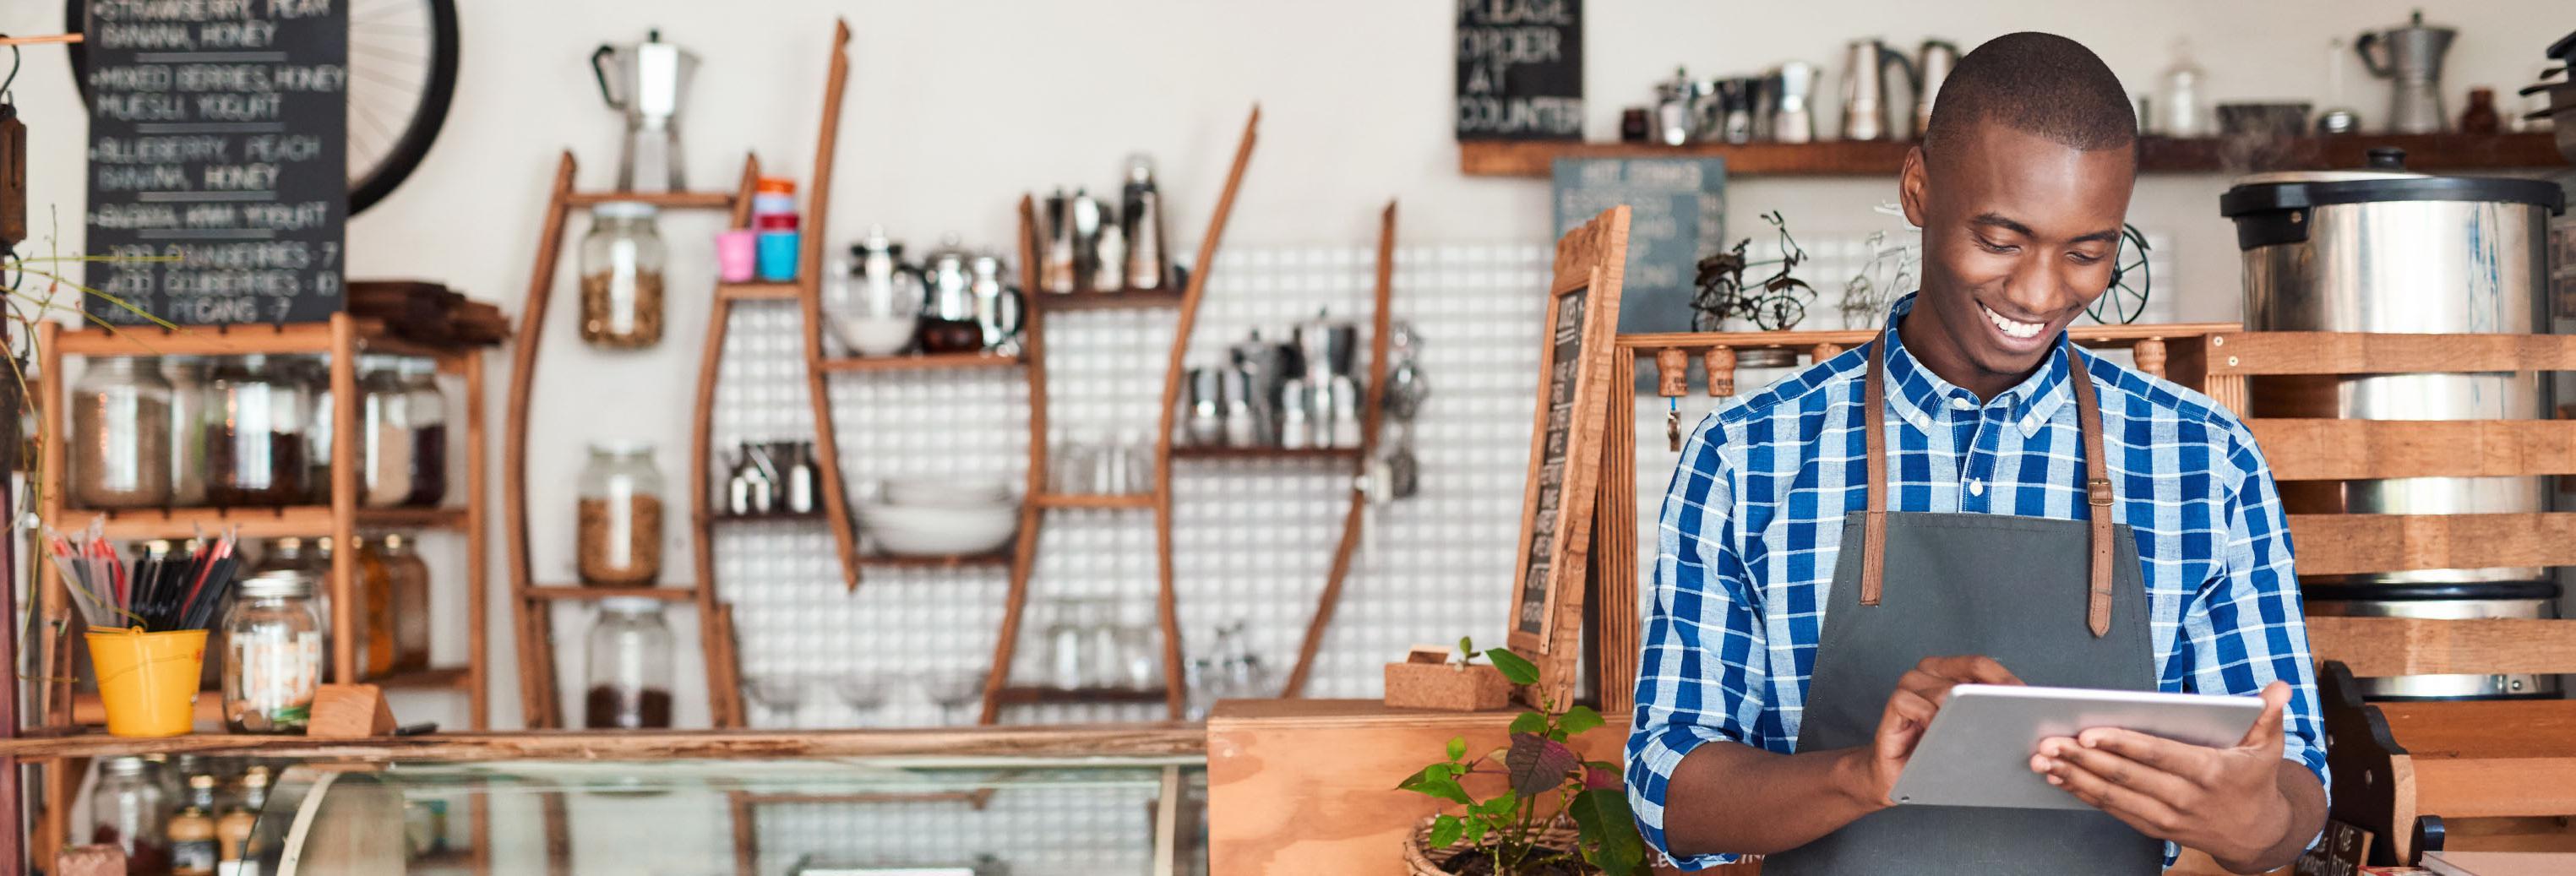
x,y
256,432
375,595
120,411
386,445
620,516
630,667
276,659
621,277
187,377
130,809
315,371
410,601
427,406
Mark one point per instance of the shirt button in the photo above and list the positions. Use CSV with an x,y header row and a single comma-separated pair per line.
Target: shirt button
x,y
1976,487
1961,402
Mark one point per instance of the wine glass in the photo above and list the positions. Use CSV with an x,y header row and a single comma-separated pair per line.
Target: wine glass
x,y
862,692
780,695
953,688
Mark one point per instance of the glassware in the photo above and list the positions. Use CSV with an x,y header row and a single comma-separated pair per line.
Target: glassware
x,y
192,830
1136,459
630,666
621,516
621,277
375,610
862,692
410,601
949,321
187,377
1081,646
1077,459
315,373
1140,664
428,426
275,652
256,434
873,303
954,688
120,412
1102,662
782,696
130,809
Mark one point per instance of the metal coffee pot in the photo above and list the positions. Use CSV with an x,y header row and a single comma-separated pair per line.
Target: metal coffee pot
x,y
1931,67
2410,58
949,284
1865,88
1791,90
647,81
999,309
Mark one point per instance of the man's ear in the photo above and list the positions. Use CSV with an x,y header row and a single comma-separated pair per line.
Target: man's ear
x,y
1912,184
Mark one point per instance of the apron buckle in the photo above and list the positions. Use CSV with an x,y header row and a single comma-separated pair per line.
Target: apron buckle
x,y
2100,491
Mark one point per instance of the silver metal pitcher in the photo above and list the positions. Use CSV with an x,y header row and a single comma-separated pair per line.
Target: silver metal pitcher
x,y
648,81
2410,58
1865,88
1930,67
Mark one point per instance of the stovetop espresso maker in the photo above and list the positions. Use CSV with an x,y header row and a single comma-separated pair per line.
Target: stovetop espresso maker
x,y
647,81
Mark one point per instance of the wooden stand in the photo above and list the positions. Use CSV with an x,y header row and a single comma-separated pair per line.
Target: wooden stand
x,y
1371,419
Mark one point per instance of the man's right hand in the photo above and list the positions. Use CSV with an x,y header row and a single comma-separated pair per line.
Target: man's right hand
x,y
1919,695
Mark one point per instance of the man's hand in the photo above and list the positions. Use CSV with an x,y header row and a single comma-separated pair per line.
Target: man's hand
x,y
1919,695
2228,802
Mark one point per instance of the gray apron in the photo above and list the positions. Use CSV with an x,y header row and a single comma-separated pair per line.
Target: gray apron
x,y
2058,602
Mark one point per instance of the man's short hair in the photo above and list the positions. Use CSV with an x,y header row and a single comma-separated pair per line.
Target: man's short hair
x,y
2041,83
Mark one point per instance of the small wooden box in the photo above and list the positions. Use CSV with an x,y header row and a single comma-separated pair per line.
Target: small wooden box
x,y
1448,686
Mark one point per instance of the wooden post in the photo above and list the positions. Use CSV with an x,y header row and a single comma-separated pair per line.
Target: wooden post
x,y
1719,362
2149,355
827,452
346,662
1355,516
478,595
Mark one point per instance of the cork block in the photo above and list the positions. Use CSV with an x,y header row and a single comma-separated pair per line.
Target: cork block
x,y
350,711
1446,686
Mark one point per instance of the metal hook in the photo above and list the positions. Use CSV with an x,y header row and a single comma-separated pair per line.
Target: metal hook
x,y
15,60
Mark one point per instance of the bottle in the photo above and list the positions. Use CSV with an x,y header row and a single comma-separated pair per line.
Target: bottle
x,y
375,594
130,810
275,662
193,850
2481,116
1148,267
187,378
410,602
620,516
428,431
232,831
2179,105
630,667
120,412
1057,270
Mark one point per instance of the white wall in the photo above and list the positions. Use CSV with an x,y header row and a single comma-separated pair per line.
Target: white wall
x,y
956,107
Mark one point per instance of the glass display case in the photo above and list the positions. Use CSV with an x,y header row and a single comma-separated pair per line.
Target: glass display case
x,y
938,816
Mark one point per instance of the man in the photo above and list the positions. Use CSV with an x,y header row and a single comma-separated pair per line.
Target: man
x,y
2050,517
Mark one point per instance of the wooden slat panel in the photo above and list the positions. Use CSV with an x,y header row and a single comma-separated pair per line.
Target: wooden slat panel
x,y
2311,450
2483,728
2364,353
2343,544
2382,647
2485,788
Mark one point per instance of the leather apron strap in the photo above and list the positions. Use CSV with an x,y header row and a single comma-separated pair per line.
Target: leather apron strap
x,y
2097,485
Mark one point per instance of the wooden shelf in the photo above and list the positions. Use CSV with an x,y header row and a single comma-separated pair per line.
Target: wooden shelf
x,y
924,360
245,339
2424,153
449,677
1097,500
1034,695
578,593
1172,739
786,517
1646,344
666,200
759,291
997,558
1053,301
1265,453
307,521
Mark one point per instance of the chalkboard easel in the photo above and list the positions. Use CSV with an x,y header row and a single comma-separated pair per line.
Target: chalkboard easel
x,y
1575,355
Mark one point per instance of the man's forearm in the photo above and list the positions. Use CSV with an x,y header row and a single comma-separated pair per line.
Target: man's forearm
x,y
1729,797
2307,799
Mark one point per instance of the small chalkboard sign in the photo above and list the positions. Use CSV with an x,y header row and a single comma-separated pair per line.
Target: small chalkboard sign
x,y
1677,217
1520,70
218,186
1565,442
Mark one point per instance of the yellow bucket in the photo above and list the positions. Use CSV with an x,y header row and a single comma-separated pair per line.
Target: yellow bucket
x,y
148,680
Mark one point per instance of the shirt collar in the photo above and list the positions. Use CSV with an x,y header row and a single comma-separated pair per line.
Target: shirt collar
x,y
1925,400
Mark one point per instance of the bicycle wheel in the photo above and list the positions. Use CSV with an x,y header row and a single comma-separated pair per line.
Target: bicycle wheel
x,y
402,76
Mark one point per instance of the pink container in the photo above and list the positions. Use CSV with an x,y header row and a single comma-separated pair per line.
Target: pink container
x,y
737,256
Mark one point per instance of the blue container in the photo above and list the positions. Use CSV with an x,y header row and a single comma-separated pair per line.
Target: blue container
x,y
778,256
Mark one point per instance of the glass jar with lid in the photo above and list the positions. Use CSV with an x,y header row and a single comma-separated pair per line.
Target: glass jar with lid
x,y
257,432
426,405
120,413
315,371
621,277
375,595
410,575
620,516
386,445
187,377
130,809
630,666
275,659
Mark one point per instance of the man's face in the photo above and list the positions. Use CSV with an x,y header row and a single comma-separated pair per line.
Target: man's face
x,y
2020,234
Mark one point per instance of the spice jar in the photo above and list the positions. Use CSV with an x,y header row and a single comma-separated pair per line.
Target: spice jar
x,y
620,539
401,558
427,407
621,277
375,595
256,432
187,378
130,809
120,412
276,659
630,666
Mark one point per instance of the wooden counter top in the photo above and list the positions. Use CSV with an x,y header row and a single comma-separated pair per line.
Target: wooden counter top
x,y
1167,739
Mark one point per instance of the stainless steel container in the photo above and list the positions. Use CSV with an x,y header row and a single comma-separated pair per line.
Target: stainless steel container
x,y
2521,599
2384,250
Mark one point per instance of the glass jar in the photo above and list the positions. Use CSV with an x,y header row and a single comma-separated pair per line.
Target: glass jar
x,y
620,516
375,595
1066,643
630,667
410,576
187,377
276,658
315,371
621,277
130,809
256,434
120,412
427,406
387,449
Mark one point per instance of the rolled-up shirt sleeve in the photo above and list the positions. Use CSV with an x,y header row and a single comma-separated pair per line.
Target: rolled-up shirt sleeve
x,y
1702,672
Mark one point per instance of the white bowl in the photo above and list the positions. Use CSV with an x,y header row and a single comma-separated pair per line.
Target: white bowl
x,y
945,492
918,531
874,335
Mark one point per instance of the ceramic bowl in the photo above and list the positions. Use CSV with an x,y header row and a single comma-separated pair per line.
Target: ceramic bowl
x,y
874,335
944,492
927,531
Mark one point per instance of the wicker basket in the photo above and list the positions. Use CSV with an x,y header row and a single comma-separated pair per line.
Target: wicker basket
x,y
1420,860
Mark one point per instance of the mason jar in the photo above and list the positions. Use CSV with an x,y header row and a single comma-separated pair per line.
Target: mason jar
x,y
323,423
275,659
120,413
130,809
621,277
620,516
257,432
385,442
410,601
630,666
426,405
187,377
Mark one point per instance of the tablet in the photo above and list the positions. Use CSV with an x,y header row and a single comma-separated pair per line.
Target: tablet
x,y
1977,751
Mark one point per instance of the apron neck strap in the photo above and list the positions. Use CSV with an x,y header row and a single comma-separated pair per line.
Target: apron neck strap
x,y
2097,484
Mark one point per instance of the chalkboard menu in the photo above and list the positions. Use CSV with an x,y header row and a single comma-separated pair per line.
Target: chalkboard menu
x,y
217,158
1565,368
1520,69
1677,217
1572,408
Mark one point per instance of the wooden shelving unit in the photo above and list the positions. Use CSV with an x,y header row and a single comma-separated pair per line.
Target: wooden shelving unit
x,y
998,558
1097,501
917,361
1173,739
2424,152
1025,695
582,593
1266,452
1104,300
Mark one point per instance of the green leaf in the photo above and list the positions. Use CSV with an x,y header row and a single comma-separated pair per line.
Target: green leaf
x,y
1529,722
1438,784
1515,667
1476,831
1579,719
1445,830
1538,763
1466,650
1607,832
1499,806
1457,747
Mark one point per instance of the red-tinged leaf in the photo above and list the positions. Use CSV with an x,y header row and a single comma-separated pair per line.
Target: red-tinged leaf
x,y
1537,763
1597,779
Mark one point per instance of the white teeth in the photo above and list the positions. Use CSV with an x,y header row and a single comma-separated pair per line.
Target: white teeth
x,y
2014,329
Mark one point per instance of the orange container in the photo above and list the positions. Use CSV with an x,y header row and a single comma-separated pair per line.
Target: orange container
x,y
148,681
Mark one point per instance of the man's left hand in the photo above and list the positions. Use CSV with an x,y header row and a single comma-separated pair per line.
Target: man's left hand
x,y
2224,801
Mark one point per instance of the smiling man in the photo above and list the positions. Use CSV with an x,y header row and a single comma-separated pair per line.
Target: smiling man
x,y
2016,510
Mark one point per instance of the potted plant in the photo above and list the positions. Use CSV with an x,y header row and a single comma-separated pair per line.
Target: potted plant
x,y
1588,831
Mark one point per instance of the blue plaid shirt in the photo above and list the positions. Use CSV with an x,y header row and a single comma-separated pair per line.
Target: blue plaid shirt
x,y
1753,519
